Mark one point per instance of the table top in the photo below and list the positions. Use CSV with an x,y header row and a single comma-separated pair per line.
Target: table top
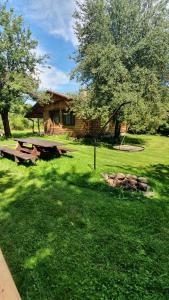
x,y
39,142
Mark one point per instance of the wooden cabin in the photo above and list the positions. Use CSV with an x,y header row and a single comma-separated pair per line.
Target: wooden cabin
x,y
58,118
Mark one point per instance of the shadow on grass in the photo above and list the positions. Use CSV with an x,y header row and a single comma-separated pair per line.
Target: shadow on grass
x,y
109,142
7,181
66,237
19,134
26,134
132,140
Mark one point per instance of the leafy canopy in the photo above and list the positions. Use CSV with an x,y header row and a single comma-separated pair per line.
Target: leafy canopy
x,y
18,60
123,56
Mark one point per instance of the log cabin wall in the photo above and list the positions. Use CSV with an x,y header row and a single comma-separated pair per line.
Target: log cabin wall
x,y
123,128
79,129
54,118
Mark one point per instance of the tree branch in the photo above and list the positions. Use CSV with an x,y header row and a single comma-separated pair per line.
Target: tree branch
x,y
113,114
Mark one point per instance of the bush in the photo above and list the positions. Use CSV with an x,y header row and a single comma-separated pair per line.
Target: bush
x,y
17,122
164,129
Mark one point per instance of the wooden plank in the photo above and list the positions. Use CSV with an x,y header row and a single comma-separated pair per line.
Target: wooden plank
x,y
27,150
38,142
24,149
17,153
64,150
8,290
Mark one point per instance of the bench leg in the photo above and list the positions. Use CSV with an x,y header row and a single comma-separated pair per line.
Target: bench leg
x,y
16,159
35,152
19,146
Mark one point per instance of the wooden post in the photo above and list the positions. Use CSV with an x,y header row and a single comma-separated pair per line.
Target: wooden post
x,y
38,127
95,145
61,117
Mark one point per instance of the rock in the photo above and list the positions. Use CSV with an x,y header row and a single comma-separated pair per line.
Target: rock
x,y
142,179
129,176
132,184
118,182
120,176
112,176
132,181
142,186
128,182
111,182
130,187
149,194
133,188
105,176
125,180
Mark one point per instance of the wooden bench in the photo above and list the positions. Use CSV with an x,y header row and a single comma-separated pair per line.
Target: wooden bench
x,y
65,150
24,149
8,290
18,156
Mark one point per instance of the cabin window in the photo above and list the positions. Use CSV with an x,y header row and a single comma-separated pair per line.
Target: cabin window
x,y
55,116
68,118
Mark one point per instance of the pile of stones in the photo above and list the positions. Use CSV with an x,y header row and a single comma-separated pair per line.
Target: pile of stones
x,y
128,182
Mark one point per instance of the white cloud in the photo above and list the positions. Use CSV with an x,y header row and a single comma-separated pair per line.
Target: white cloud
x,y
55,16
52,78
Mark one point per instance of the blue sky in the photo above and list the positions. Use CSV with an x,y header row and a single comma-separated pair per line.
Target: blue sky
x,y
51,24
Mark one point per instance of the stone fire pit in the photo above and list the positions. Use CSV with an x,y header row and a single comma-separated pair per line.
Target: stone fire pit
x,y
128,182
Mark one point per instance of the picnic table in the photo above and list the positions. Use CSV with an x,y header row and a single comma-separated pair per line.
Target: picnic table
x,y
29,149
42,148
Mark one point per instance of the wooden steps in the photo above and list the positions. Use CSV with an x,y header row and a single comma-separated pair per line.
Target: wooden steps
x,y
8,290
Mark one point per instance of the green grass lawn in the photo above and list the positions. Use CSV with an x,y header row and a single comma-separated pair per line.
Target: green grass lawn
x,y
66,235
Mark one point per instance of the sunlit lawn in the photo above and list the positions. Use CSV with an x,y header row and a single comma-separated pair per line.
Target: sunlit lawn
x,y
66,235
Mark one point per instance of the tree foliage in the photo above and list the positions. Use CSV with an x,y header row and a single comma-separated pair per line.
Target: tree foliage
x,y
123,56
18,63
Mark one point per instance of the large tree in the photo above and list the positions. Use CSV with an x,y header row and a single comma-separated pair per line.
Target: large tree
x,y
18,63
123,55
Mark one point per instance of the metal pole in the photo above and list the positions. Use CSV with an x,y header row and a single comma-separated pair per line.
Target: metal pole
x,y
113,114
95,144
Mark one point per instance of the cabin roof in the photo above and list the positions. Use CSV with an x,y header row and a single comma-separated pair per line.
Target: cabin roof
x,y
59,95
38,109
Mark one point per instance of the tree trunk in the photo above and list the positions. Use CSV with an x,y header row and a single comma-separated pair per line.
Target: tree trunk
x,y
117,131
5,121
